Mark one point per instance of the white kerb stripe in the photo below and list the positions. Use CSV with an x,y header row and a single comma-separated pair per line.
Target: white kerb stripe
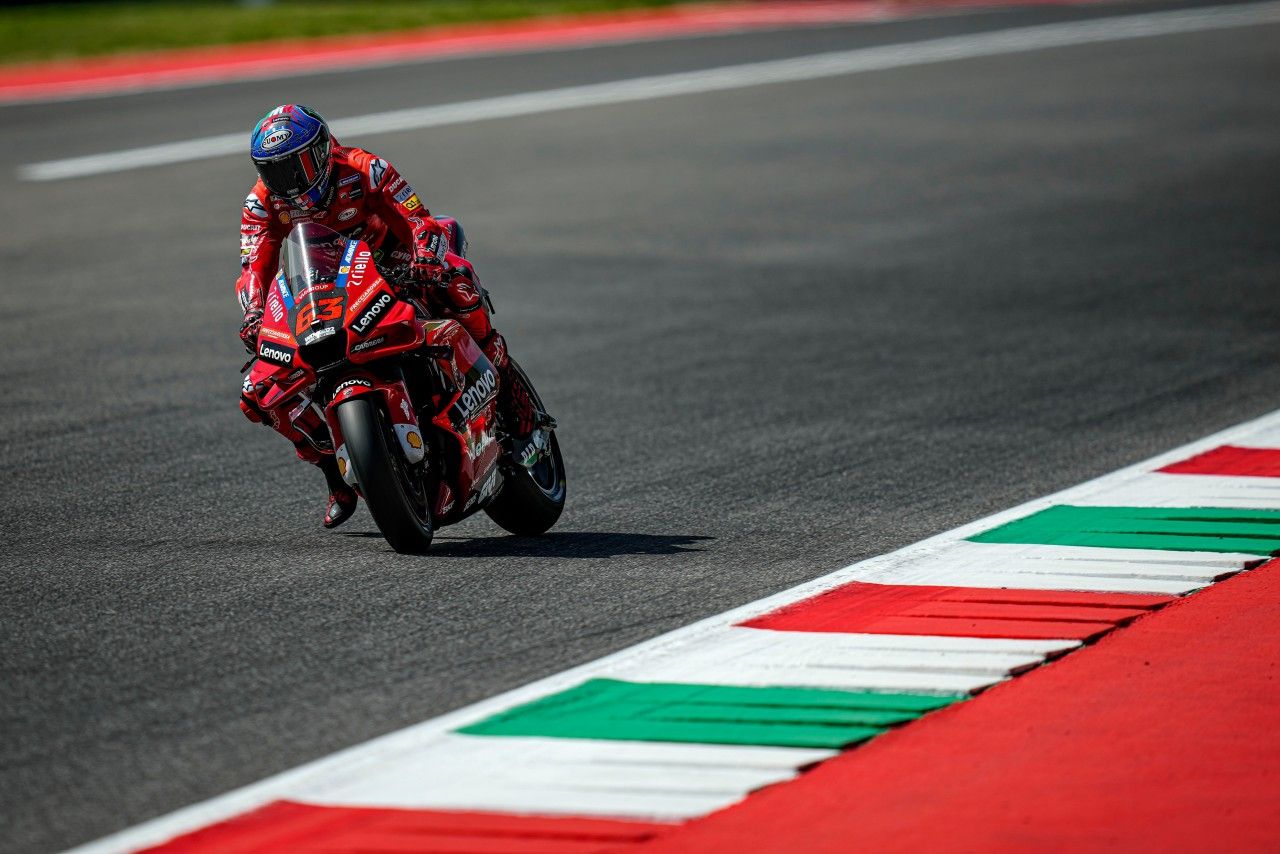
x,y
850,662
1039,567
563,776
1160,489
814,67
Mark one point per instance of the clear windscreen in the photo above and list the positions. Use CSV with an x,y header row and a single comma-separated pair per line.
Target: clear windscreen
x,y
312,255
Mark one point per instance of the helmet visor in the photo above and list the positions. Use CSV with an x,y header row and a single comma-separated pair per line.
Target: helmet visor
x,y
292,175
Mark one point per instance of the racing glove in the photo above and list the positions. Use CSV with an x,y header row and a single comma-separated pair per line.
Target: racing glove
x,y
430,246
249,330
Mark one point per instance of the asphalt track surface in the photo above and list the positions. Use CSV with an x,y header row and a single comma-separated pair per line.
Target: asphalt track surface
x,y
783,328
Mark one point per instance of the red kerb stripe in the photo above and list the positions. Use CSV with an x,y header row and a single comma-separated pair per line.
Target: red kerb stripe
x,y
1231,460
309,829
894,609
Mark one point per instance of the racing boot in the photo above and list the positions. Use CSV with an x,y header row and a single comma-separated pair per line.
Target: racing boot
x,y
342,498
461,297
528,427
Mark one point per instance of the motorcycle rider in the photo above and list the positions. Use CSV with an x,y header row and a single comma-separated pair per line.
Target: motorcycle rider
x,y
305,175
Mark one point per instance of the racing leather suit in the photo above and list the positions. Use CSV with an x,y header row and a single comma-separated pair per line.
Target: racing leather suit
x,y
367,199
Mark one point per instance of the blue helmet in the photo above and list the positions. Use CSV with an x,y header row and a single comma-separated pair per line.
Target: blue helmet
x,y
293,151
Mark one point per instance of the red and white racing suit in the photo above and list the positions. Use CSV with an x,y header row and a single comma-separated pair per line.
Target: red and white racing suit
x,y
367,199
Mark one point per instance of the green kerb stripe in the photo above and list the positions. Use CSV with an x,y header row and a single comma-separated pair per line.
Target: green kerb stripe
x,y
709,714
1198,529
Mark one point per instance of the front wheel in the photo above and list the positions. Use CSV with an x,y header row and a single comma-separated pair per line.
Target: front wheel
x,y
396,502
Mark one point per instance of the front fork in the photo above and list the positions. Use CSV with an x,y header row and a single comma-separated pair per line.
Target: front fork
x,y
395,399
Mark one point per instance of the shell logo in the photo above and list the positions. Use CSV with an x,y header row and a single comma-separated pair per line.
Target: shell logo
x,y
342,467
415,441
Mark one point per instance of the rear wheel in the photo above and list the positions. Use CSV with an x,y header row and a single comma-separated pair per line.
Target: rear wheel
x,y
395,498
532,499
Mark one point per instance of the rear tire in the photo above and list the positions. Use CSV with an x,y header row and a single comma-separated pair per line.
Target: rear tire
x,y
531,500
381,478
526,507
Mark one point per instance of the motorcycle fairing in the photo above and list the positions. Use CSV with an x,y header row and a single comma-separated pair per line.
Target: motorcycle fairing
x,y
467,414
328,306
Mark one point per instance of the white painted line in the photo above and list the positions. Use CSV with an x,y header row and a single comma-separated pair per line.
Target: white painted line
x,y
381,757
1268,438
818,66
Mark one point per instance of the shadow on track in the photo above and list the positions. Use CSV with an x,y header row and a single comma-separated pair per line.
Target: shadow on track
x,y
573,544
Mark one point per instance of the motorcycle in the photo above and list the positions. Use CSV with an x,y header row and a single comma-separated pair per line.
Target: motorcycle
x,y
409,402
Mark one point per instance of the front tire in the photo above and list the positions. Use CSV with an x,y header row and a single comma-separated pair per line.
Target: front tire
x,y
382,478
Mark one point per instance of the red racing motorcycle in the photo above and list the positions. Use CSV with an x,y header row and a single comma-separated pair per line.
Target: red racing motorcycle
x,y
410,403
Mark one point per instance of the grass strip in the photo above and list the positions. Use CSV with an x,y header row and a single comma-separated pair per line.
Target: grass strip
x,y
71,30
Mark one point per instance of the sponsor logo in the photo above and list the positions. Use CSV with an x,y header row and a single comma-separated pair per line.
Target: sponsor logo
x,y
247,388
253,207
350,384
436,246
276,138
295,375
320,335
413,204
359,268
275,335
274,306
284,217
365,322
377,171
320,287
414,440
350,179
361,300
371,343
276,353
349,213
396,185
476,395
